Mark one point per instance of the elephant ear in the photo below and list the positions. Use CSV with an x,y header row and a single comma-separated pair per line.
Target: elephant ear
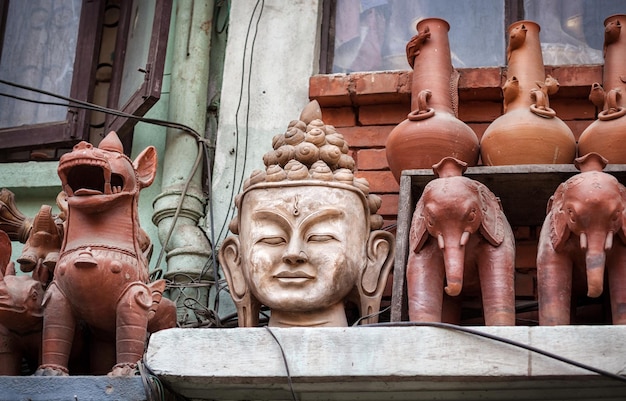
x,y
557,218
418,233
492,223
622,231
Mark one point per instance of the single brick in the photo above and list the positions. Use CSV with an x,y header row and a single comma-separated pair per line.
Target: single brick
x,y
366,137
383,114
372,159
339,116
380,181
479,111
389,206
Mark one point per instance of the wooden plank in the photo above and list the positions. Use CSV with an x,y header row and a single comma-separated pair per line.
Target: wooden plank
x,y
405,211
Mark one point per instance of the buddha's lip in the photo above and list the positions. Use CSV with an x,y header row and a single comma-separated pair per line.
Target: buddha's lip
x,y
294,274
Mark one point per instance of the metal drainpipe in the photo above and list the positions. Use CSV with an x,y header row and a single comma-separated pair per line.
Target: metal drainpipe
x,y
188,250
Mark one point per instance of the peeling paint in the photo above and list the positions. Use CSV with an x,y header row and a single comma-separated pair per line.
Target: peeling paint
x,y
206,27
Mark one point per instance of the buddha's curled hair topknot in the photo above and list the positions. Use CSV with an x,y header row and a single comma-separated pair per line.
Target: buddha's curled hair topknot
x,y
311,150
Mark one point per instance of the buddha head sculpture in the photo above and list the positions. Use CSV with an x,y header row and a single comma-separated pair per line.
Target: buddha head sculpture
x,y
307,236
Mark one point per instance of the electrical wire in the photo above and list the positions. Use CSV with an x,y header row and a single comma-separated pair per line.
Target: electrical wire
x,y
234,186
380,312
468,330
94,107
151,383
282,353
162,385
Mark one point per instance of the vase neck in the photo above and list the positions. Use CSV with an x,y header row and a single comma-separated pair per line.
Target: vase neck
x,y
524,59
615,54
433,70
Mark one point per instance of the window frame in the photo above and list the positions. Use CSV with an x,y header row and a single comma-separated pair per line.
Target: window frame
x,y
149,92
76,125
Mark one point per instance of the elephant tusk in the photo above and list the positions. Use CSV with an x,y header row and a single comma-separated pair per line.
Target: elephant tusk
x,y
440,241
464,238
608,244
583,241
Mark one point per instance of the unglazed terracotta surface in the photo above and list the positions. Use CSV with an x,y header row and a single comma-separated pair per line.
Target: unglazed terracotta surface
x,y
583,235
606,135
21,315
460,243
432,130
308,238
529,132
101,276
41,249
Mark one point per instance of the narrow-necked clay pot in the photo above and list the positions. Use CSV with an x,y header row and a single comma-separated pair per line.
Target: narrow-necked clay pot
x,y
529,132
431,131
606,135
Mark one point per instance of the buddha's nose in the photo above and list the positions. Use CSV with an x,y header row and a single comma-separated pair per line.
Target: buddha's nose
x,y
295,257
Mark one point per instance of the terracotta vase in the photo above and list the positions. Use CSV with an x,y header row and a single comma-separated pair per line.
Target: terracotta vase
x,y
431,131
529,132
606,135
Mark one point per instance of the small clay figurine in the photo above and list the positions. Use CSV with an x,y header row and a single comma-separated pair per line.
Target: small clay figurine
x,y
20,315
101,276
460,242
309,238
583,235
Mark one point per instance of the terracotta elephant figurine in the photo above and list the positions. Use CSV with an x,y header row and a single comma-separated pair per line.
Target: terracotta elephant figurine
x,y
461,243
584,234
101,275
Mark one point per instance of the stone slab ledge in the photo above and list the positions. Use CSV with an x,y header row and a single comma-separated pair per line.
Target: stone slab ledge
x,y
377,362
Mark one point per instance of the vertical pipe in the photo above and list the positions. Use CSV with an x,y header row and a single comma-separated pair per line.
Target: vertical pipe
x,y
187,250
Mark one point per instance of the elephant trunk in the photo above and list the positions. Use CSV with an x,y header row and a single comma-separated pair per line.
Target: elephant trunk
x,y
595,260
454,261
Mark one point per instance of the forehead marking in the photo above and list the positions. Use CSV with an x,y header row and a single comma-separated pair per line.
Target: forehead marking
x,y
296,199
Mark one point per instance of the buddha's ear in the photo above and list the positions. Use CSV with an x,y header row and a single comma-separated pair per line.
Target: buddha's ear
x,y
373,279
247,306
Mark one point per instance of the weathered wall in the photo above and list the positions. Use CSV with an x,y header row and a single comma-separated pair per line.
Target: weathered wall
x,y
272,51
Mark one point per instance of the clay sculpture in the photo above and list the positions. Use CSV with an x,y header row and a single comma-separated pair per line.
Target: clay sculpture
x,y
461,242
20,315
583,235
41,249
529,131
101,276
309,238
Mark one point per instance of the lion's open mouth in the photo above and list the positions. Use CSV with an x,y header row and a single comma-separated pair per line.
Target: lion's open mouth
x,y
85,177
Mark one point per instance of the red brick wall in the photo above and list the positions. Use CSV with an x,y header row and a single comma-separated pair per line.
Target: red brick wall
x,y
365,107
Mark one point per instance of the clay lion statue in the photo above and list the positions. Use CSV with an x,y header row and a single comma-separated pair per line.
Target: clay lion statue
x,y
101,275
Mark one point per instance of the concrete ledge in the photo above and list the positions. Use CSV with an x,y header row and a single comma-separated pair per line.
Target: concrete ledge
x,y
72,388
389,362
28,178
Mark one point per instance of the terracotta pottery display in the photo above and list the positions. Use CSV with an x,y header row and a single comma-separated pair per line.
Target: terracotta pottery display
x,y
582,245
431,131
21,315
307,237
606,135
529,132
101,275
461,243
